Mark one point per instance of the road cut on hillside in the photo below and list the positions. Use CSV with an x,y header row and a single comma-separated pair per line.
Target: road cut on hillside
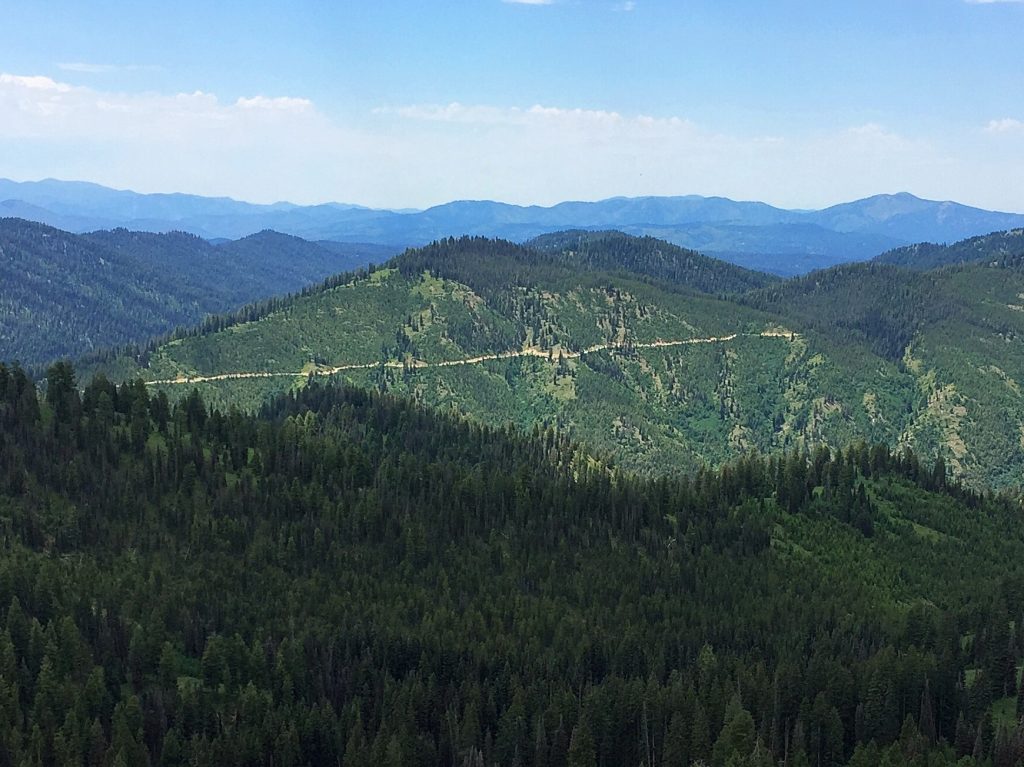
x,y
532,351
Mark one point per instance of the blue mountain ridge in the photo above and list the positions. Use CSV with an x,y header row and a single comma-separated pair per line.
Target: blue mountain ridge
x,y
755,234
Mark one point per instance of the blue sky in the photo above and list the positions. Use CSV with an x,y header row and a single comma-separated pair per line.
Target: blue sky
x,y
397,103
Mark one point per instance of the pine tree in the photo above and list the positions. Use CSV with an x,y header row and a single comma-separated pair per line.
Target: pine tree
x,y
62,391
1020,702
939,473
540,743
173,753
926,717
700,735
96,748
1003,750
355,746
581,746
512,738
911,741
980,748
963,741
737,736
676,749
761,756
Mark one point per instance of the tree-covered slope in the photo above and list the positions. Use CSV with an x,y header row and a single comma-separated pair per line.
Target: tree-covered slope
x,y
614,251
351,579
261,265
653,373
926,255
67,294
874,305
957,332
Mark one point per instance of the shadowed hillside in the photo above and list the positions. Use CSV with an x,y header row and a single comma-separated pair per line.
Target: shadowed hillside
x,y
66,294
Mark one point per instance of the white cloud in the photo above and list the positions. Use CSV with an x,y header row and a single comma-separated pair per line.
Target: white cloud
x,y
257,147
1005,125
33,83
282,103
85,67
264,148
490,115
82,66
991,2
39,107
537,115
869,129
449,113
629,5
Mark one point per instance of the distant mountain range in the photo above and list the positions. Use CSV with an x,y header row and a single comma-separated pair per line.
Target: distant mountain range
x,y
752,234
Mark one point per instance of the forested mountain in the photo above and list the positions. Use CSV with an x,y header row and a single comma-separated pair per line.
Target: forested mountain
x,y
656,374
641,364
927,255
594,501
66,294
783,249
752,234
611,251
92,206
350,579
956,332
876,305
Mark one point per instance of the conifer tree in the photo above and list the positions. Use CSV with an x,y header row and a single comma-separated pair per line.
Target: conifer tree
x,y
926,717
581,746
676,749
737,736
700,734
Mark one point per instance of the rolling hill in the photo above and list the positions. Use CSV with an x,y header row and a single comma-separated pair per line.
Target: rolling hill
x,y
612,251
668,361
66,294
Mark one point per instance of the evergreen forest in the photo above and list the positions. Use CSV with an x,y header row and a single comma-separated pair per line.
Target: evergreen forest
x,y
591,501
350,578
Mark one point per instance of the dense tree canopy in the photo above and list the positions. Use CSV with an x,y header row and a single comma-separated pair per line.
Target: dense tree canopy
x,y
997,246
348,578
72,294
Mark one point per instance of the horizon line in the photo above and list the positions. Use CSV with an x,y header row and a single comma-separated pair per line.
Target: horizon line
x,y
406,210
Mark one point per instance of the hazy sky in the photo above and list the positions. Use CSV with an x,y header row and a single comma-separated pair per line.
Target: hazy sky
x,y
397,103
